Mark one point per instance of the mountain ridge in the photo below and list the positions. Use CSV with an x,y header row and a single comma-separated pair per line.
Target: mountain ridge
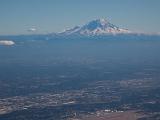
x,y
96,27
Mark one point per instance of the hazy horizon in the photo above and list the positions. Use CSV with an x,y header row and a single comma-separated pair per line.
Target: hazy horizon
x,y
24,17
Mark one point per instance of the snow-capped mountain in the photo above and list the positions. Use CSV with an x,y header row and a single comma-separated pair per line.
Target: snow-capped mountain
x,y
96,27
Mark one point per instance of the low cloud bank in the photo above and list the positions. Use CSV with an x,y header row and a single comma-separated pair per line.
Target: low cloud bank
x,y
6,42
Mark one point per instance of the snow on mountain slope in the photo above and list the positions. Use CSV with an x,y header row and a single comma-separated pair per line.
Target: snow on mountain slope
x,y
96,27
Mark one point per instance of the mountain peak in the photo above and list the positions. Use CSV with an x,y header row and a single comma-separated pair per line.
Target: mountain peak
x,y
101,20
96,27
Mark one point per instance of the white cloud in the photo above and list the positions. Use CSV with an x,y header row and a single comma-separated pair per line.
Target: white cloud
x,y
32,29
6,42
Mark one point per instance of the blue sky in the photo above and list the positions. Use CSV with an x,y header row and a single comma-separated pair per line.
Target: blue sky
x,y
17,16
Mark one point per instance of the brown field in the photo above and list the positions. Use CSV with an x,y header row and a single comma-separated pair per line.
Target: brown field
x,y
128,115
